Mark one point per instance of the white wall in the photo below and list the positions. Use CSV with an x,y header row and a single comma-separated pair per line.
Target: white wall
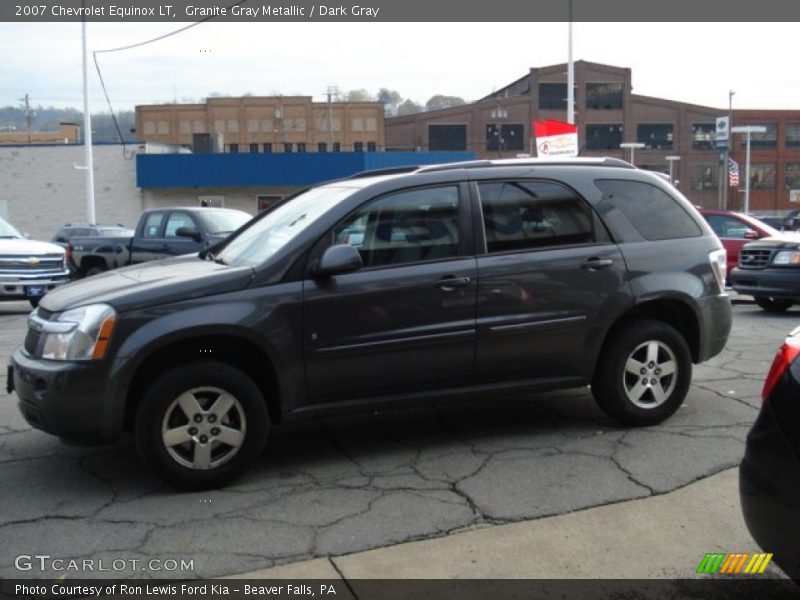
x,y
44,190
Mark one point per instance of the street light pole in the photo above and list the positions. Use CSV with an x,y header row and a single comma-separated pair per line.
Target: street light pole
x,y
671,160
632,146
749,130
87,131
498,114
727,153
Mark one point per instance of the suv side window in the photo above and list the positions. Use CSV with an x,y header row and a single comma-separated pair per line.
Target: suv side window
x,y
655,214
405,227
521,215
152,226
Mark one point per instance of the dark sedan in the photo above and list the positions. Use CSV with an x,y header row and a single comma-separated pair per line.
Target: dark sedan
x,y
769,476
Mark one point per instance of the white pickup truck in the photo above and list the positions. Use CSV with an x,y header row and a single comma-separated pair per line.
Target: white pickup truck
x,y
29,269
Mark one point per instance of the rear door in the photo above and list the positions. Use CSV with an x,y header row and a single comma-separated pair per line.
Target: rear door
x,y
406,320
549,276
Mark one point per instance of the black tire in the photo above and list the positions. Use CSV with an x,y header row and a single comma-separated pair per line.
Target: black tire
x,y
621,390
34,302
774,305
94,270
199,385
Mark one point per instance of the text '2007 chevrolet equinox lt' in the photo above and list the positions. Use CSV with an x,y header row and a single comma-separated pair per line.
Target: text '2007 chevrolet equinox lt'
x,y
415,285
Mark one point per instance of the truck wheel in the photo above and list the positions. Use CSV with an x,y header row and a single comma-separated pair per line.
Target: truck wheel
x,y
94,270
200,425
774,305
643,374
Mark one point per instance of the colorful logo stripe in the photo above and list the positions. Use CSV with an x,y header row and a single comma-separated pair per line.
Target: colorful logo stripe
x,y
735,563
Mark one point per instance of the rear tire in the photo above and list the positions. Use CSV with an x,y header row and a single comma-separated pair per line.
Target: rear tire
x,y
774,305
201,425
643,374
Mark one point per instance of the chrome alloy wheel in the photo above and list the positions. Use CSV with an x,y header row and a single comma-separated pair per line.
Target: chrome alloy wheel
x,y
651,372
203,428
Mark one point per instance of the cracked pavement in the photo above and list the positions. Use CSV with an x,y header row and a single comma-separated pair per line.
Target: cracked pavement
x,y
349,484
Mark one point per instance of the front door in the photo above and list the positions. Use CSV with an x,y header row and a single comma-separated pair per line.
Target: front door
x,y
406,320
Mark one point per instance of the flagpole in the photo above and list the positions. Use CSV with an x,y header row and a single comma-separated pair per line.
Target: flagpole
x,y
570,75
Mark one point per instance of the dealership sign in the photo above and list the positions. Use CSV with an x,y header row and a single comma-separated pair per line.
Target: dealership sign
x,y
722,133
555,139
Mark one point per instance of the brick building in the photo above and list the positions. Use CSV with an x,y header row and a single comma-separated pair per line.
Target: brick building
x,y
68,133
608,114
265,125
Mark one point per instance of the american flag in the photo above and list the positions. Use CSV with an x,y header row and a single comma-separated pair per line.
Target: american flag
x,y
733,172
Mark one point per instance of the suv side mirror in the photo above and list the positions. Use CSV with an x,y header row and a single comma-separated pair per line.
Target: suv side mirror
x,y
751,234
337,260
189,232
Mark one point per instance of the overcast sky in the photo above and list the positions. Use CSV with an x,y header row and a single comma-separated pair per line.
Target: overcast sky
x,y
690,62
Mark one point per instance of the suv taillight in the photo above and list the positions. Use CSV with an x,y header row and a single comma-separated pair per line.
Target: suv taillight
x,y
719,264
68,252
783,360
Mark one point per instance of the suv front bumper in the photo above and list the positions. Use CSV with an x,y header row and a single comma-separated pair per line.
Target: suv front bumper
x,y
72,400
16,286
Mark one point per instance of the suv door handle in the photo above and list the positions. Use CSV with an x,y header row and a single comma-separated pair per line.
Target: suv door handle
x,y
594,264
449,284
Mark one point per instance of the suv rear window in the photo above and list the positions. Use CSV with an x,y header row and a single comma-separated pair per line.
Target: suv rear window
x,y
655,214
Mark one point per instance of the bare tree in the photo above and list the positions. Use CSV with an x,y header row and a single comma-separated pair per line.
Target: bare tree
x,y
440,101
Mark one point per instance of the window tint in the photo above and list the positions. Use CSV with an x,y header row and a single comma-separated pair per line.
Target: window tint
x,y
407,227
727,227
152,226
654,213
175,221
518,215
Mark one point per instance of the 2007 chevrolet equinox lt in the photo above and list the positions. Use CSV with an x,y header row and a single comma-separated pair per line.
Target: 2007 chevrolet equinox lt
x,y
394,287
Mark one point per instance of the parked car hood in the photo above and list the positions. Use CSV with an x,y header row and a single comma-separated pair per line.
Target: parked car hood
x,y
23,247
785,240
150,284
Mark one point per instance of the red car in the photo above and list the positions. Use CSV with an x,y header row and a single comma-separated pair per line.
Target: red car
x,y
735,230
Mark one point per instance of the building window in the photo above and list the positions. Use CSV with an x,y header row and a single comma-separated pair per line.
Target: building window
x,y
287,148
762,176
213,201
233,148
703,136
604,96
447,137
768,139
371,147
163,127
704,177
603,137
254,148
322,147
553,96
791,176
337,146
267,148
792,135
358,146
510,138
655,136
301,147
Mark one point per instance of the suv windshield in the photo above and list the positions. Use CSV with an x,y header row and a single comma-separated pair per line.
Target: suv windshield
x,y
279,227
8,231
217,222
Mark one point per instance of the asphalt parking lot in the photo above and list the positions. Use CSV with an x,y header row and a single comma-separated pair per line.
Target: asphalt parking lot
x,y
346,485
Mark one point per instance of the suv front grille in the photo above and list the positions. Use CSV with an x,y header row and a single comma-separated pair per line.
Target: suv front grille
x,y
754,258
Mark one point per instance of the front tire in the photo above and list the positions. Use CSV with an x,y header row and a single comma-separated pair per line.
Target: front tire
x,y
201,425
773,305
643,374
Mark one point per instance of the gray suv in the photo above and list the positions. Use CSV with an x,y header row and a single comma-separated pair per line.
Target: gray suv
x,y
387,289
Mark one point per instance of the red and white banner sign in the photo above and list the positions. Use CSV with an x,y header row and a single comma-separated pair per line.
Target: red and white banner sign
x,y
555,139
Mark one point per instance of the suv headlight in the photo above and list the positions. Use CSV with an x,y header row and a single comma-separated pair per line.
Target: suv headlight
x,y
79,334
786,257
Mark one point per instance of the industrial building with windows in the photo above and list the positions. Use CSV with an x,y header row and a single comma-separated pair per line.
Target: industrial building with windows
x,y
609,114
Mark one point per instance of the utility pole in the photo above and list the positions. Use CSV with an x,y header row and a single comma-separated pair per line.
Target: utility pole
x,y
28,116
87,131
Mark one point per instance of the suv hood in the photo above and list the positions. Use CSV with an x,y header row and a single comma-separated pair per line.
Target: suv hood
x,y
784,241
23,247
150,284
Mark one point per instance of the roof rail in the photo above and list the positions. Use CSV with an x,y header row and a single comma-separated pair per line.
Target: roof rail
x,y
386,171
604,161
